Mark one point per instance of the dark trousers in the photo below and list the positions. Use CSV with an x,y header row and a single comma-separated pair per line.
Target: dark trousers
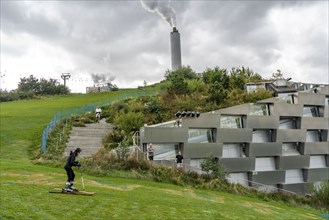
x,y
70,174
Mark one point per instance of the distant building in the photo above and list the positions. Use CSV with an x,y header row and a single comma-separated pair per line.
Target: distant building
x,y
280,143
102,87
281,87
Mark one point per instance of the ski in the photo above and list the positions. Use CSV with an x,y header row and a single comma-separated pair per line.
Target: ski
x,y
82,193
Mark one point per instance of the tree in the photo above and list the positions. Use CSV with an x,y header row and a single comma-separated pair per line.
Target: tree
x,y
212,166
178,85
210,76
277,75
185,72
241,76
154,105
129,122
217,93
123,149
28,84
41,87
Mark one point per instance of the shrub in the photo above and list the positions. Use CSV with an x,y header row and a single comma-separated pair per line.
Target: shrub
x,y
212,166
320,194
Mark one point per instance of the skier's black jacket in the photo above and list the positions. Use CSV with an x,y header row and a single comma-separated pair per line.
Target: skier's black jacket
x,y
71,161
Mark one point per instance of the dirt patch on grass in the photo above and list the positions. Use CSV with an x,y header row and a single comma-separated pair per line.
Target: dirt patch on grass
x,y
32,179
191,193
113,186
260,208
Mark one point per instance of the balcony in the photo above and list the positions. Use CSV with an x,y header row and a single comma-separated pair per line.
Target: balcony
x,y
290,135
268,177
265,149
242,164
293,162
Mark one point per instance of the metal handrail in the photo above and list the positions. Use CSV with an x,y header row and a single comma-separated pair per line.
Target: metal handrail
x,y
261,184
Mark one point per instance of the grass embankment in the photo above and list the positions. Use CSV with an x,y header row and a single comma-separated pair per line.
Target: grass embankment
x,y
24,195
24,185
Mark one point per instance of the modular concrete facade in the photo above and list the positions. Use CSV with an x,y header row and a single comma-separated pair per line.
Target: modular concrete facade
x,y
275,143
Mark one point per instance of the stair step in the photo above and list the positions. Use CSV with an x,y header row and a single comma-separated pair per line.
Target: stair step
x,y
89,138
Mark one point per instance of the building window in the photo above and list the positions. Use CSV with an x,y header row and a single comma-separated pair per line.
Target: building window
x,y
311,111
326,103
318,161
165,151
289,149
287,99
288,123
238,178
227,121
265,164
261,136
201,135
294,176
233,151
314,136
259,109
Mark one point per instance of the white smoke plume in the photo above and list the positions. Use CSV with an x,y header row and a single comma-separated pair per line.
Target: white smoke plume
x,y
102,78
162,8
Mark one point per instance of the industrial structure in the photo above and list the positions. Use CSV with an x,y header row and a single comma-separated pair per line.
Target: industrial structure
x,y
280,143
176,60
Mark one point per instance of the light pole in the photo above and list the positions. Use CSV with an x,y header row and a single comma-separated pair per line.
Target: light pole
x,y
65,76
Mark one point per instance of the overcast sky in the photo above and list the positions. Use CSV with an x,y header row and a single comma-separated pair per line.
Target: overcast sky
x,y
128,41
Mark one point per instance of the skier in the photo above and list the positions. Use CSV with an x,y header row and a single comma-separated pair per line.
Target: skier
x,y
70,174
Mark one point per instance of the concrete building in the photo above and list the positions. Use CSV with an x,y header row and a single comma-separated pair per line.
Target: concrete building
x,y
277,143
102,87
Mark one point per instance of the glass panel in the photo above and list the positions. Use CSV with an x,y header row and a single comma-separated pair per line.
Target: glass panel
x,y
311,111
287,124
286,99
231,150
313,136
294,176
260,136
317,161
201,135
289,149
230,122
258,109
265,164
238,178
164,151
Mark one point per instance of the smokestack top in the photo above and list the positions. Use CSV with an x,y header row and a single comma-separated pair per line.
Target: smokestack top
x,y
174,29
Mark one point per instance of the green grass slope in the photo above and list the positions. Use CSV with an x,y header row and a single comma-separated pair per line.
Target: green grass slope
x,y
24,186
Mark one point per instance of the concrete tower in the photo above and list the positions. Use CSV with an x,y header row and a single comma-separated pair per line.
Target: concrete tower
x,y
176,60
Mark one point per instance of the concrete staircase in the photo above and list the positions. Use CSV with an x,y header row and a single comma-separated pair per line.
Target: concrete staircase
x,y
88,138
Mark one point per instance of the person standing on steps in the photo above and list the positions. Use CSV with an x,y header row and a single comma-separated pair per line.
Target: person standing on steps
x,y
179,160
98,114
150,152
69,171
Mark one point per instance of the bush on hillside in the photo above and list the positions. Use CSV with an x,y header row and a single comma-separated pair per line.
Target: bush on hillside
x,y
320,194
213,166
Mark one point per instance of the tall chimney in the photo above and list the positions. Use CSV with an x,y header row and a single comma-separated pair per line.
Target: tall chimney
x,y
176,60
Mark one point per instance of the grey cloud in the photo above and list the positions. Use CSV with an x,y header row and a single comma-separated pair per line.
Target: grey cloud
x,y
122,38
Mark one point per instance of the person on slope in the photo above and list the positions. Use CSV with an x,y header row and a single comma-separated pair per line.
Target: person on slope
x,y
98,114
70,173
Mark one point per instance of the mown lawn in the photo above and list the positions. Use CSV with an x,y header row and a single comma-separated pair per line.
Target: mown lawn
x,y
24,195
24,186
22,122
